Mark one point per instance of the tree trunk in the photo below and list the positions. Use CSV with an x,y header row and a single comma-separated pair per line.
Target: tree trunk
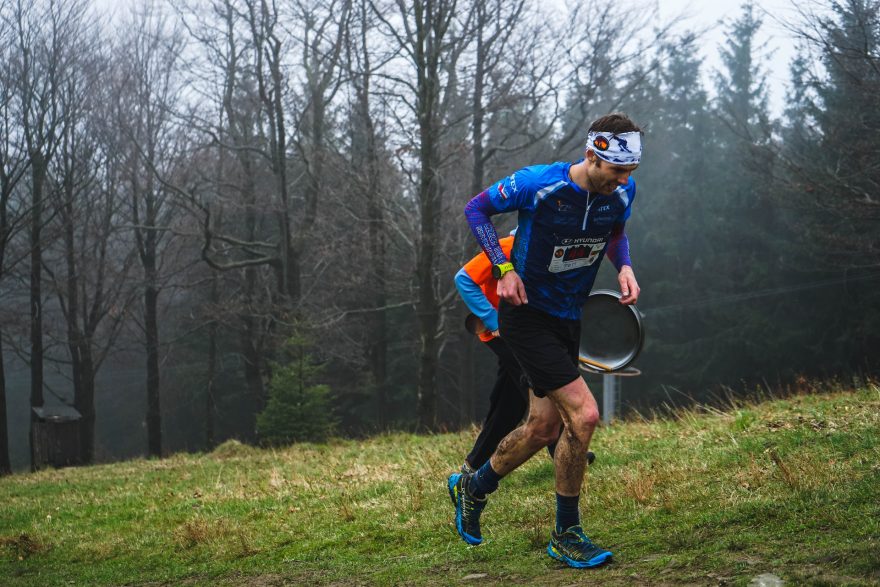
x,y
377,325
253,373
210,407
427,60
5,465
36,360
478,116
367,158
151,327
85,405
427,308
78,345
467,383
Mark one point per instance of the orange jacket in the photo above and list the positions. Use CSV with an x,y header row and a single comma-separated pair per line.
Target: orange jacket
x,y
479,269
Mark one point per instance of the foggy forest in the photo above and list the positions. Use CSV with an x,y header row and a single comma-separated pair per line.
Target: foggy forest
x,y
241,219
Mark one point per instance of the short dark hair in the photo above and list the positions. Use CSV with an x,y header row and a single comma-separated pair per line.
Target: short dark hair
x,y
616,122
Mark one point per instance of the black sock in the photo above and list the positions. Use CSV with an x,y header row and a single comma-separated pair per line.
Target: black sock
x,y
484,481
567,512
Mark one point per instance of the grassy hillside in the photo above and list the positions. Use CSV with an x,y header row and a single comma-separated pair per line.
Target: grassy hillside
x,y
787,487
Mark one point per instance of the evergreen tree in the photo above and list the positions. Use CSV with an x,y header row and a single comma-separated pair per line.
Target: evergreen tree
x,y
844,167
671,232
832,179
298,410
747,229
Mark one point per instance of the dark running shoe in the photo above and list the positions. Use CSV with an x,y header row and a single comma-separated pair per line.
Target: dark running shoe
x,y
576,550
467,508
466,471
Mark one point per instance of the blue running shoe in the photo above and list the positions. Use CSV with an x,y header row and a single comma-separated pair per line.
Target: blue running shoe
x,y
576,550
450,485
466,471
467,508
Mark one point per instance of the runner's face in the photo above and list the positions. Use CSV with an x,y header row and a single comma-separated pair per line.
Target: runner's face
x,y
604,176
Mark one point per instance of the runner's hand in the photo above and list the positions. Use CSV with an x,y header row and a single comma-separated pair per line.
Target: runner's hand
x,y
511,289
629,287
495,333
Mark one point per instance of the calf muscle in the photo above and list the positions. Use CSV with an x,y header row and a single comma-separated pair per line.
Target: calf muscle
x,y
570,461
540,429
515,449
580,413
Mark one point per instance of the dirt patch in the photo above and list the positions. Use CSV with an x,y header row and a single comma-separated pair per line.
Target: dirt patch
x,y
22,546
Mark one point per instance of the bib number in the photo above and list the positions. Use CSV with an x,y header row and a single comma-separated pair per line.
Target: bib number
x,y
575,253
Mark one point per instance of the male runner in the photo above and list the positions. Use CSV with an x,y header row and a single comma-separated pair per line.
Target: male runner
x,y
568,213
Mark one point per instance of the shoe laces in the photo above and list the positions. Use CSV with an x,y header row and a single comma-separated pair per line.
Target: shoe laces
x,y
577,534
469,502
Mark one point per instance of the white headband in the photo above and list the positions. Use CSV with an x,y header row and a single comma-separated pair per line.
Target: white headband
x,y
620,149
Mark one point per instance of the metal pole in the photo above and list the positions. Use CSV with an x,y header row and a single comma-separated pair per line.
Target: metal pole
x,y
609,397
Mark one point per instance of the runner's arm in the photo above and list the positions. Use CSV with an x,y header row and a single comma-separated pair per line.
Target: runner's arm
x,y
475,300
618,252
477,212
515,192
510,286
618,247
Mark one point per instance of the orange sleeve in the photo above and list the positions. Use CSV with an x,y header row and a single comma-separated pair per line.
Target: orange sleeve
x,y
480,267
506,245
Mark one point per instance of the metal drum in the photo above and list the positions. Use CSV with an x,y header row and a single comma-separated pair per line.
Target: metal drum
x,y
612,334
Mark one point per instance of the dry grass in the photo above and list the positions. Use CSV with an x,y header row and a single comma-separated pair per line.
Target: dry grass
x,y
196,531
639,484
222,537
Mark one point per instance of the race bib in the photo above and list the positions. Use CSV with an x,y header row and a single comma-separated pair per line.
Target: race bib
x,y
572,253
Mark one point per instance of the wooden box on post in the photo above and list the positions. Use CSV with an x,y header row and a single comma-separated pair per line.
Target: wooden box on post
x,y
55,437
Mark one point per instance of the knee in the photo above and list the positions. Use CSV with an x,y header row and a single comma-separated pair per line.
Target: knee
x,y
591,417
542,433
584,421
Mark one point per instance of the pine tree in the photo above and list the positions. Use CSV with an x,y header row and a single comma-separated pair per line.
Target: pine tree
x,y
749,231
298,410
848,119
832,178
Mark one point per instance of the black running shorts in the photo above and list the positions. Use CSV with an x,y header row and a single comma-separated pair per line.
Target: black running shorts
x,y
546,346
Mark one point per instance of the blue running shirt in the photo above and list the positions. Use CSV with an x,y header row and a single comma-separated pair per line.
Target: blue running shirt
x,y
562,235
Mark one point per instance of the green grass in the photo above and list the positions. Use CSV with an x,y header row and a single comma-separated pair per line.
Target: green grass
x,y
789,487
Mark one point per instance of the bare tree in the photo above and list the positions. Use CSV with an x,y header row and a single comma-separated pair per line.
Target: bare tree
x,y
603,69
233,122
86,269
45,36
503,82
149,51
365,169
430,36
270,130
322,27
14,165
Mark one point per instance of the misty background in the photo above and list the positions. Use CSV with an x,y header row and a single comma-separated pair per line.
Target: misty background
x,y
241,218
